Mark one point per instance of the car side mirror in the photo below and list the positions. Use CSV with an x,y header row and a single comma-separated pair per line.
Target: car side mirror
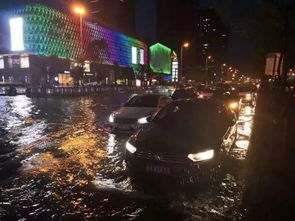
x,y
149,119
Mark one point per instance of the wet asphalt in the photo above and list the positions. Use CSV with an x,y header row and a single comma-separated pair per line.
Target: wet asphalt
x,y
59,161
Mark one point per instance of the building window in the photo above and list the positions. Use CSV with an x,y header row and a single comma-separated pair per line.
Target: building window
x,y
2,63
87,66
13,62
141,61
134,55
24,61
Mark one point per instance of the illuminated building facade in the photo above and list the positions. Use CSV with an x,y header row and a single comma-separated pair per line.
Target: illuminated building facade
x,y
36,30
164,61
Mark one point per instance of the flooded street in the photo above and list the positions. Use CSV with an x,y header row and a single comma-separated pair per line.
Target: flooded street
x,y
58,160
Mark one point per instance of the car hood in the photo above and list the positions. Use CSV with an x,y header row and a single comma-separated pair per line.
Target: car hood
x,y
155,138
134,112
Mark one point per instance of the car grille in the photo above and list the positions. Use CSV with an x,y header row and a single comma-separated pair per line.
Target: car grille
x,y
162,157
125,120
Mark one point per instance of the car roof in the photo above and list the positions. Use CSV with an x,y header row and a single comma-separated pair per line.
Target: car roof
x,y
148,95
184,88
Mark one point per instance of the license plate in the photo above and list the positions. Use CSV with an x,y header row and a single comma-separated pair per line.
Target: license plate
x,y
158,169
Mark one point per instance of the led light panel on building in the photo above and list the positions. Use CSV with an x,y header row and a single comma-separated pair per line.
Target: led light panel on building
x,y
175,71
1,63
134,55
45,31
16,34
141,56
160,58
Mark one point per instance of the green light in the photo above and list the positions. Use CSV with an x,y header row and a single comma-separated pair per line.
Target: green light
x,y
160,58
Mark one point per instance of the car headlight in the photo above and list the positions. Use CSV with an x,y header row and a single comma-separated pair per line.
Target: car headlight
x,y
233,105
130,147
248,97
143,120
206,155
111,118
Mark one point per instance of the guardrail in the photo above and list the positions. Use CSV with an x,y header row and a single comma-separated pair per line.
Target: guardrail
x,y
93,90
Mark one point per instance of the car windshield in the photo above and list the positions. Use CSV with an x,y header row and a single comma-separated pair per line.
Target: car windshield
x,y
188,115
143,101
183,93
244,89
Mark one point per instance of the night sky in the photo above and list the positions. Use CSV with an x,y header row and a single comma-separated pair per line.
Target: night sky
x,y
232,14
246,51
256,29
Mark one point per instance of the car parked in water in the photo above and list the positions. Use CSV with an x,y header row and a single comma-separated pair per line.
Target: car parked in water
x,y
204,92
136,110
229,98
186,139
247,94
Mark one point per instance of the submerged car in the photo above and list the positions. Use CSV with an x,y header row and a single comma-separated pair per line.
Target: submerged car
x,y
135,112
247,94
186,139
229,98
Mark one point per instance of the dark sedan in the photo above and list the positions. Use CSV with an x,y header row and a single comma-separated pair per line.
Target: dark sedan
x,y
186,139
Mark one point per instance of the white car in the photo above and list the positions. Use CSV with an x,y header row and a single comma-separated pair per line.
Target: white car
x,y
132,115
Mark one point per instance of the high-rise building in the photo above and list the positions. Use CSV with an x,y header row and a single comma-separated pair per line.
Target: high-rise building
x,y
212,34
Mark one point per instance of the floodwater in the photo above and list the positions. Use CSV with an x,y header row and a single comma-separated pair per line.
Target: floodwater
x,y
59,161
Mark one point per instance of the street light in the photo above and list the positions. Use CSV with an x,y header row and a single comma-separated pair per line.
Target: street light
x,y
184,45
208,58
81,11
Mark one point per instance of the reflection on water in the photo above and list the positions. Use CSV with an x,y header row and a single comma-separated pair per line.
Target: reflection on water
x,y
18,117
73,168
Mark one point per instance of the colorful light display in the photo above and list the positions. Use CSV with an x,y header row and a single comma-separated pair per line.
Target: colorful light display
x,y
160,58
49,32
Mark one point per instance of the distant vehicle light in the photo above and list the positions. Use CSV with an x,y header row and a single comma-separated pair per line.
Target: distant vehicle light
x,y
130,147
233,105
111,118
143,120
248,97
201,96
206,155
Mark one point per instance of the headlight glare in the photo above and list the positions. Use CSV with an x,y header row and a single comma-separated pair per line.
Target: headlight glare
x,y
248,97
111,118
233,105
130,147
143,120
206,155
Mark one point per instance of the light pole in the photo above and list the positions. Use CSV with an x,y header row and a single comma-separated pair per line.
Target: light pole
x,y
184,45
208,58
80,10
